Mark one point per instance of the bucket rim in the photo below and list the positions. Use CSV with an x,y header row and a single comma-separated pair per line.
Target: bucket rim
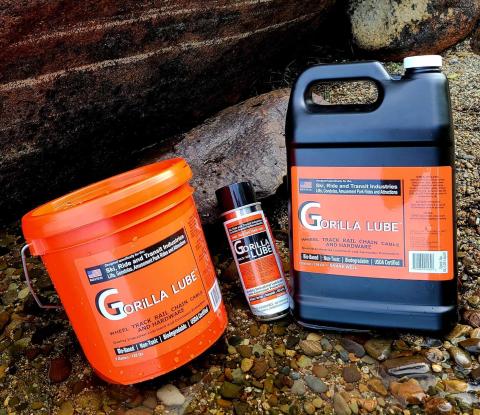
x,y
106,198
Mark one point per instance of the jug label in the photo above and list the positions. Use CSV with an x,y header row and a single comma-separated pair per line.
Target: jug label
x,y
153,294
378,222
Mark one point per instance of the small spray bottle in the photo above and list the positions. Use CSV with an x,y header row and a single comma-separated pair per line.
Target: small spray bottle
x,y
253,248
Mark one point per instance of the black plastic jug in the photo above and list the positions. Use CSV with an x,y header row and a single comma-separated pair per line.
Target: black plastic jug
x,y
372,210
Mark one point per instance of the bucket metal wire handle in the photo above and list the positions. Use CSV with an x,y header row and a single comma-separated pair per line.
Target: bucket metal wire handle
x,y
29,282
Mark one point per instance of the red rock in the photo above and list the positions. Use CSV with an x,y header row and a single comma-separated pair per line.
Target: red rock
x,y
59,370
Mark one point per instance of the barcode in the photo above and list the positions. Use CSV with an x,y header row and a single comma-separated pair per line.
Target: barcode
x,y
433,262
215,296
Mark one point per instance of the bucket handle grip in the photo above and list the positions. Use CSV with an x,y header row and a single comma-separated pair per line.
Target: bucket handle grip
x,y
29,282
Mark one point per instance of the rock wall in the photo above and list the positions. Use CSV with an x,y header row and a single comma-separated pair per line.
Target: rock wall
x,y
85,84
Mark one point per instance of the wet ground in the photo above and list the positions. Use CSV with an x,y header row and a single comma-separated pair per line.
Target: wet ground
x,y
257,368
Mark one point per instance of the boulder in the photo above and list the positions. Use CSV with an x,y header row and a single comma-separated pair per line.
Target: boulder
x,y
243,142
394,29
84,84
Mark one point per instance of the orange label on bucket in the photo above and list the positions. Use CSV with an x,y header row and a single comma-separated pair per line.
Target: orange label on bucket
x,y
378,222
153,295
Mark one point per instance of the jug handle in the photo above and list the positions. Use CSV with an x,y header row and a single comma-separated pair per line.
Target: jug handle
x,y
370,70
29,282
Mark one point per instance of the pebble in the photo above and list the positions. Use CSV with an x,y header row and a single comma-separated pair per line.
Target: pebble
x,y
438,406
258,350
244,350
230,390
169,395
246,364
377,386
309,408
315,384
458,331
408,392
475,374
472,317
320,371
66,408
351,374
368,404
279,350
461,357
4,320
455,385
472,345
311,347
314,337
353,347
340,406
318,402
475,333
279,330
434,355
379,349
254,330
436,368
304,361
259,368
59,369
298,387
406,366
292,341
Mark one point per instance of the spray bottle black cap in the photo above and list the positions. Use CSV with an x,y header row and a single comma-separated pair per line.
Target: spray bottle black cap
x,y
235,196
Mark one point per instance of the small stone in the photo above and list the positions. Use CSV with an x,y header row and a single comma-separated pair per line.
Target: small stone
x,y
241,408
475,333
36,405
458,331
244,350
377,386
455,385
254,330
472,345
246,364
66,408
23,293
257,350
434,355
351,374
4,320
309,408
316,384
237,376
436,367
230,391
304,361
409,392
475,374
90,400
259,369
438,406
292,341
279,350
353,347
406,366
60,369
461,357
150,402
298,388
231,349
234,340
268,385
318,402
320,371
340,406
169,395
379,349
279,330
311,347
368,404
314,337
472,317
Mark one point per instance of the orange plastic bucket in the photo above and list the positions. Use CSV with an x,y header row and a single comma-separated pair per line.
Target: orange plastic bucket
x,y
129,261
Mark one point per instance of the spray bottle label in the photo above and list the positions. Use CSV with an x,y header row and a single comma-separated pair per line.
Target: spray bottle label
x,y
378,222
154,294
258,263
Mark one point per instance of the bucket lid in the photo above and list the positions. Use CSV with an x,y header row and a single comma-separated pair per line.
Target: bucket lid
x,y
105,199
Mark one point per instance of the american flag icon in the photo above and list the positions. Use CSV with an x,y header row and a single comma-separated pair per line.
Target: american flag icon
x,y
94,273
